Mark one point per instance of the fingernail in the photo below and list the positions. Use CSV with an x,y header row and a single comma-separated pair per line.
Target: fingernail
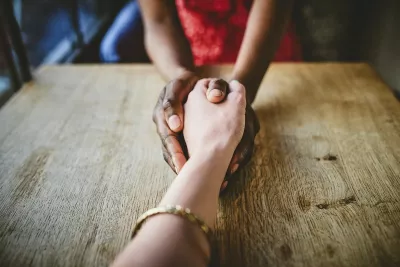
x,y
215,92
223,186
174,122
234,168
235,82
175,165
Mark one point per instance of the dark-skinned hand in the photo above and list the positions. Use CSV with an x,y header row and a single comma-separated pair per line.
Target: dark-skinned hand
x,y
244,151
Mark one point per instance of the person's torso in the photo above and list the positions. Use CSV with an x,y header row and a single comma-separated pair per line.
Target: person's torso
x,y
210,25
215,29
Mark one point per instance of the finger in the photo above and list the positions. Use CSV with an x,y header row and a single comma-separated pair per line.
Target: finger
x,y
234,168
236,86
171,144
157,108
205,82
173,153
174,148
237,93
167,158
170,141
245,155
223,186
201,86
183,145
216,91
252,114
175,93
242,155
173,110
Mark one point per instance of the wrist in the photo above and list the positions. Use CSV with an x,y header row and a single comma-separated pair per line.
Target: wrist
x,y
220,153
185,72
213,162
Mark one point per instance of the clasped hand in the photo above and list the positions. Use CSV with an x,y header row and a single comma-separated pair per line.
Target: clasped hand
x,y
194,115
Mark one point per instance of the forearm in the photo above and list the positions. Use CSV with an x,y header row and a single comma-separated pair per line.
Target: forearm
x,y
197,185
165,40
170,239
265,27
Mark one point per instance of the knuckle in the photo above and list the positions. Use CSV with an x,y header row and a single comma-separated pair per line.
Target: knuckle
x,y
246,153
165,138
165,154
190,97
161,130
240,87
162,94
239,99
158,106
154,116
203,82
160,127
167,104
166,157
243,94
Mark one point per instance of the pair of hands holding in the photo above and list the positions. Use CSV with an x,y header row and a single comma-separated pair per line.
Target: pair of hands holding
x,y
209,112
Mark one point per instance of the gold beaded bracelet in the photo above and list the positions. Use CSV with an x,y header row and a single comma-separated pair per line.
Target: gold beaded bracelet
x,y
176,210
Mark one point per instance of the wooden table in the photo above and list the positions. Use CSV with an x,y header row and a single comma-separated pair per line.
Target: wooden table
x,y
80,161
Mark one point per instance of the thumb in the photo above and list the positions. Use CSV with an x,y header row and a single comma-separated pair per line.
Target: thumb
x,y
175,93
216,91
173,113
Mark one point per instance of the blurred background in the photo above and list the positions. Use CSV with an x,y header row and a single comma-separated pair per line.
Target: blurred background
x,y
76,31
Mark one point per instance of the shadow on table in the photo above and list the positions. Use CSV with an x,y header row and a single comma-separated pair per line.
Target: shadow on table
x,y
253,202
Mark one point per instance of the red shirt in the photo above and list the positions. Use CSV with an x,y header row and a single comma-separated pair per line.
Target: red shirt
x,y
215,29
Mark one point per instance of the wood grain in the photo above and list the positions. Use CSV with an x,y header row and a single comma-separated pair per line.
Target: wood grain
x,y
80,161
